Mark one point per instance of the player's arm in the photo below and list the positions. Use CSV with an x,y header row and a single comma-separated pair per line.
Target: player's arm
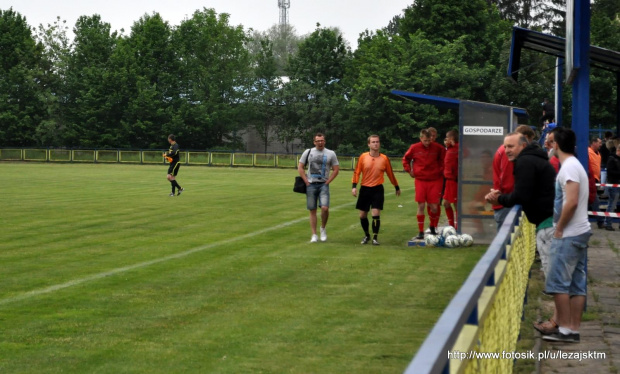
x,y
568,209
356,175
334,174
301,169
497,171
390,174
408,161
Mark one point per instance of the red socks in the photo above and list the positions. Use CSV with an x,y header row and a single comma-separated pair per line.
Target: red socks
x,y
420,222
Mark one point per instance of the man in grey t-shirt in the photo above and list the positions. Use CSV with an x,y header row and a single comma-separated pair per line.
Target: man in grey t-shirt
x,y
319,160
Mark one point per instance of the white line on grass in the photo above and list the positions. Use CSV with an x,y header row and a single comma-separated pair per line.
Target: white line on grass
x,y
93,277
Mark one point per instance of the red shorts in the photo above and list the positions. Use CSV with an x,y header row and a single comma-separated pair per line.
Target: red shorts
x,y
450,193
428,191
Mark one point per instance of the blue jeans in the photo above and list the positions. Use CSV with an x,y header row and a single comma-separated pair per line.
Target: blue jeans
x,y
317,192
596,207
613,192
567,270
500,215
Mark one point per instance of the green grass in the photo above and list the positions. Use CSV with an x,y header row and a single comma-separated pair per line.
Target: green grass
x,y
101,271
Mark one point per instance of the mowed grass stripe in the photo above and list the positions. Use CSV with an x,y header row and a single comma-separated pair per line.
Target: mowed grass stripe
x,y
266,303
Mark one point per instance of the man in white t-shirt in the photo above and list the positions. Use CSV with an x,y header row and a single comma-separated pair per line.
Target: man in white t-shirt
x,y
319,160
567,274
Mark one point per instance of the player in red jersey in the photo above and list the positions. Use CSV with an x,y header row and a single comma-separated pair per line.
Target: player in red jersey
x,y
451,174
424,162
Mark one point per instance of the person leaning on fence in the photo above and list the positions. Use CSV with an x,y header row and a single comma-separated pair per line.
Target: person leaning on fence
x,y
371,165
613,177
594,165
567,276
319,160
173,159
424,162
503,179
533,190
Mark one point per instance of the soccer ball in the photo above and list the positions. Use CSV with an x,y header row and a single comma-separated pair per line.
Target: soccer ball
x,y
466,240
452,241
447,231
431,240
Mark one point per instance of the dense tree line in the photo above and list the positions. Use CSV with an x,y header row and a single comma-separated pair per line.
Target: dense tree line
x,y
208,81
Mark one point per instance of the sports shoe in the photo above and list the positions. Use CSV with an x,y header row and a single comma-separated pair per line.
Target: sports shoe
x,y
171,194
181,190
609,228
366,240
562,338
375,242
314,238
420,236
323,234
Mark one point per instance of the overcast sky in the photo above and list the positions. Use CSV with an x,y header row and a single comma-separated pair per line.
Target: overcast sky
x,y
352,17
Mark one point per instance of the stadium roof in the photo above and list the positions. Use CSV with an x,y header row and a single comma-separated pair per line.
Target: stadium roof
x,y
443,102
554,45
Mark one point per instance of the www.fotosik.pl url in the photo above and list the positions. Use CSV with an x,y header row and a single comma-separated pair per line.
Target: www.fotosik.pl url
x,y
527,355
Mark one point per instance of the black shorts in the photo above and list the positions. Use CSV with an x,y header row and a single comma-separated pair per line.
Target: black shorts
x,y
370,196
173,169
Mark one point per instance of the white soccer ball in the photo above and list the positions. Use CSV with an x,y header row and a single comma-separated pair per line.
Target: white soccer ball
x,y
431,240
447,231
452,241
466,240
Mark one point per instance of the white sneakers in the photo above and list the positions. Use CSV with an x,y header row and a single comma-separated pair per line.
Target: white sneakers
x,y
315,237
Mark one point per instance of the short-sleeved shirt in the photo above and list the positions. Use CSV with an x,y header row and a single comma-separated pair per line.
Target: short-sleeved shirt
x,y
372,169
173,152
572,170
319,164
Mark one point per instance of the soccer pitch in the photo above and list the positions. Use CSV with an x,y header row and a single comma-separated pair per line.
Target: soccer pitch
x,y
102,272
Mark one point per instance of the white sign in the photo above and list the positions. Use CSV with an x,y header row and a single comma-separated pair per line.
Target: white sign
x,y
478,130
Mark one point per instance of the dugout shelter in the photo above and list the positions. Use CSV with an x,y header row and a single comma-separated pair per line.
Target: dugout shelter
x,y
482,127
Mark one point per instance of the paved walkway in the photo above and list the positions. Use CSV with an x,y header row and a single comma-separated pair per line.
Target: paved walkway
x,y
602,333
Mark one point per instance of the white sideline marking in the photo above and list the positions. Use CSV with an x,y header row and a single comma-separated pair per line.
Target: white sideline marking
x,y
93,277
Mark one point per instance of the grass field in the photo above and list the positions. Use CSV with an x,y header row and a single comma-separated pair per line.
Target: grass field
x,y
102,272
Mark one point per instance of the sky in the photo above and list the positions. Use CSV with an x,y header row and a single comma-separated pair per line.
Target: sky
x,y
351,16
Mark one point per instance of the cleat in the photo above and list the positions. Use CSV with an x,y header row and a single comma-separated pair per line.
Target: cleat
x,y
171,194
420,236
314,238
375,242
323,234
366,240
181,190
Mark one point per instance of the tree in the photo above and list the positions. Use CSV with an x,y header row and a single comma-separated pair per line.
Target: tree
x,y
52,129
21,107
444,21
213,80
284,43
151,64
315,96
93,102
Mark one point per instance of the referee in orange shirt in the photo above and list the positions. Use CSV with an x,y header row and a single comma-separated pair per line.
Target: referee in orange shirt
x,y
372,165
